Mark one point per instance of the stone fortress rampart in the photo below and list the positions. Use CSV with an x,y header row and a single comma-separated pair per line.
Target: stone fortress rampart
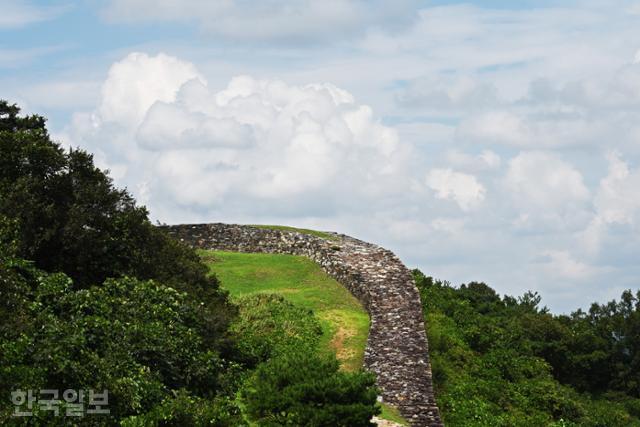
x,y
397,349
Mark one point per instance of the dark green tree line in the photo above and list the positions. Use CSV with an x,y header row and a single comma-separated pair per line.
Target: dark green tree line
x,y
508,361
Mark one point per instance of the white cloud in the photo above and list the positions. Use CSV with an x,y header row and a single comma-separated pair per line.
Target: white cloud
x,y
561,265
496,127
457,93
291,22
168,126
540,183
485,161
551,128
618,197
412,231
617,202
139,80
16,13
181,146
466,88
462,188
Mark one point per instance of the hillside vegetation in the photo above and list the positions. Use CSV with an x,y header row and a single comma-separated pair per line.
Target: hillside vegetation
x,y
504,361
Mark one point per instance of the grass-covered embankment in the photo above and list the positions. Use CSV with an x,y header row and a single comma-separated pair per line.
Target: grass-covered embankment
x,y
344,321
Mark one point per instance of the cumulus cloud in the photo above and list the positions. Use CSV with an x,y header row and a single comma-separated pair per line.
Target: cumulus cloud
x,y
554,127
541,182
496,127
137,82
556,114
618,197
617,203
486,160
180,146
167,126
462,188
262,150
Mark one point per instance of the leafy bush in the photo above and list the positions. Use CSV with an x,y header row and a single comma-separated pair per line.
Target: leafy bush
x,y
183,409
298,388
63,213
268,325
138,339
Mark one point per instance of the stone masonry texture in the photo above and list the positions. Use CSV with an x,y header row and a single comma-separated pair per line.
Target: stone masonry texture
x,y
397,349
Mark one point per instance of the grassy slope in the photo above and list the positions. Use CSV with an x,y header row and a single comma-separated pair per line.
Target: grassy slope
x,y
344,321
392,414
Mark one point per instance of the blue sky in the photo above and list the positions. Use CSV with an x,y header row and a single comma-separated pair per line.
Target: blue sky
x,y
490,140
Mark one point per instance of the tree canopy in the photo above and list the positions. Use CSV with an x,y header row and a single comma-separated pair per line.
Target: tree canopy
x,y
505,361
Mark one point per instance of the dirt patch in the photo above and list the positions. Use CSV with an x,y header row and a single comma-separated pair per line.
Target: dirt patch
x,y
209,257
338,342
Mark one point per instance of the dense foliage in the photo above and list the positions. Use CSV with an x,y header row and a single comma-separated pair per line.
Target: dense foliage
x,y
508,362
140,340
94,297
72,219
299,388
268,325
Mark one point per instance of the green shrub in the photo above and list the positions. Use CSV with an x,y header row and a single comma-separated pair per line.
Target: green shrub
x,y
138,339
182,409
268,325
303,389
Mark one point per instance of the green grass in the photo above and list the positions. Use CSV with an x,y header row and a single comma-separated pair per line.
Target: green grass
x,y
316,233
344,321
392,414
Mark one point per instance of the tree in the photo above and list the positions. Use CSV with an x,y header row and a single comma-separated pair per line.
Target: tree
x,y
71,218
303,389
507,362
140,340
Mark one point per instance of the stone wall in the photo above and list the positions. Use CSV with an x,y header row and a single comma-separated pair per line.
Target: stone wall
x,y
397,348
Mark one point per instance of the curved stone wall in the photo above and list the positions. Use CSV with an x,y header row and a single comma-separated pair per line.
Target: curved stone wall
x,y
397,348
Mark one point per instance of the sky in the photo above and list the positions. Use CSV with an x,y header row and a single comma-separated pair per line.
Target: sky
x,y
493,141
